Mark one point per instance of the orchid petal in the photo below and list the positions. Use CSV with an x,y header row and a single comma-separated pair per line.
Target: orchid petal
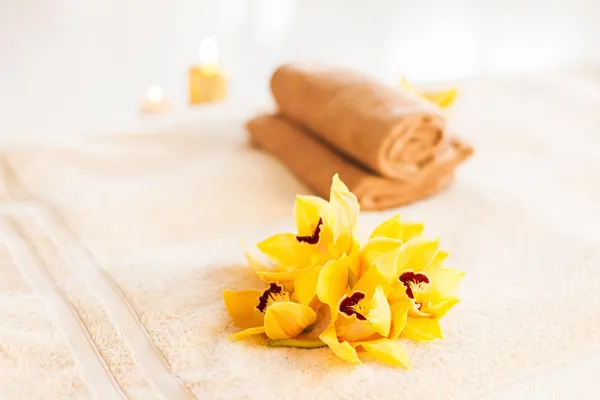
x,y
344,210
356,268
445,282
418,254
437,262
284,320
279,276
383,253
443,98
440,309
394,228
422,329
388,351
308,211
305,285
284,249
379,314
333,281
323,320
352,329
241,306
416,312
397,293
343,350
399,313
253,262
248,332
372,279
411,230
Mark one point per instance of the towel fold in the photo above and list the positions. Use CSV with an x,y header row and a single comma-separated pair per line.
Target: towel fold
x,y
392,132
315,162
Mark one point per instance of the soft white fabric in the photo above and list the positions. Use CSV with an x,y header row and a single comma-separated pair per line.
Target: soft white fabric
x,y
164,216
36,360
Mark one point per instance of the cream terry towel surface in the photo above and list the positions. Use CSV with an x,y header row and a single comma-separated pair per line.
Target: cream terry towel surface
x,y
149,226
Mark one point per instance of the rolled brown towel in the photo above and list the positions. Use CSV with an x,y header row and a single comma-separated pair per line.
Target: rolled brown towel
x,y
392,132
314,163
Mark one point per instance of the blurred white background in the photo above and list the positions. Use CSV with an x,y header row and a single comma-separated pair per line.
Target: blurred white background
x,y
70,66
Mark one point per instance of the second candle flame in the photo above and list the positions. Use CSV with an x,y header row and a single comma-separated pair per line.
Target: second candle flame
x,y
209,52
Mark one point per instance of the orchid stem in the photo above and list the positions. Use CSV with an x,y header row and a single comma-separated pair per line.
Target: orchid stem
x,y
302,344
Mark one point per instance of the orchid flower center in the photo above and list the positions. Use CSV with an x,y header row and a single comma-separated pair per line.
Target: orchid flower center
x,y
314,238
352,306
272,294
413,282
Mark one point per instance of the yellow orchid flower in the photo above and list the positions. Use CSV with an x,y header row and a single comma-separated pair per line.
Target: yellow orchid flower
x,y
325,230
361,318
270,312
424,291
300,258
443,98
273,313
385,245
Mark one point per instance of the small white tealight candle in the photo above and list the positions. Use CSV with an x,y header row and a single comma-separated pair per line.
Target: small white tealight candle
x,y
154,102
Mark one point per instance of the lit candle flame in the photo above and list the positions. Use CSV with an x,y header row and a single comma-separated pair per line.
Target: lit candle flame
x,y
154,94
209,52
